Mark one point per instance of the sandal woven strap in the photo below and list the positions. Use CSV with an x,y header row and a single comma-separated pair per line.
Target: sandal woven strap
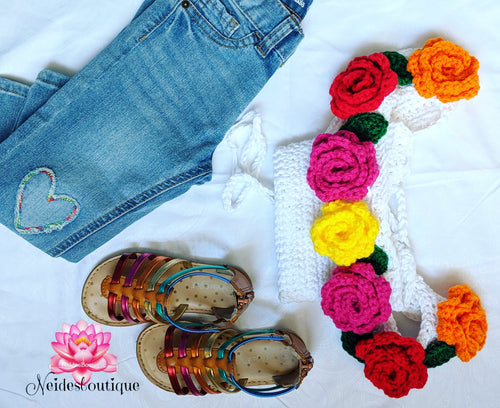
x,y
121,287
198,373
182,351
128,283
156,263
171,371
116,279
152,283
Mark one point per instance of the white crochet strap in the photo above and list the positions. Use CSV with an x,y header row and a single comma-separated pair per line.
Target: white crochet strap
x,y
246,171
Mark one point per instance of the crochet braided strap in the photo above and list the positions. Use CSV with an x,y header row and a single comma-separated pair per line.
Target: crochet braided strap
x,y
261,363
143,287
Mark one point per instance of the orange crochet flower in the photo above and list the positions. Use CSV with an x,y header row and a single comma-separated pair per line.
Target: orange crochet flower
x,y
444,70
462,322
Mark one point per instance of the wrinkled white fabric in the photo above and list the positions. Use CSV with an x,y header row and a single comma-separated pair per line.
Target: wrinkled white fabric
x,y
246,169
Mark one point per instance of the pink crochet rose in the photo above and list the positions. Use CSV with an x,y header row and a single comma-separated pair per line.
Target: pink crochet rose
x,y
81,350
341,167
356,298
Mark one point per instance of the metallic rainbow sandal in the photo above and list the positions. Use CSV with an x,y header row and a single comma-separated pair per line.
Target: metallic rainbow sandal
x,y
263,363
143,288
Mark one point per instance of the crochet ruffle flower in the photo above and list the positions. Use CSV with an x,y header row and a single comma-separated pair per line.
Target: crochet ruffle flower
x,y
393,363
356,298
444,70
462,322
345,232
363,86
341,167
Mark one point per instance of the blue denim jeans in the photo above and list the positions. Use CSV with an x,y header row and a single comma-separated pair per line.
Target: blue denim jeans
x,y
84,157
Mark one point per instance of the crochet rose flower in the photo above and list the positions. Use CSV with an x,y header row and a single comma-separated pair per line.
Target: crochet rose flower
x,y
81,350
362,86
345,232
393,363
341,167
356,298
444,70
462,322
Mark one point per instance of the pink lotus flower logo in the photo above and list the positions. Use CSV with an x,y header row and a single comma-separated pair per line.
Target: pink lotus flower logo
x,y
81,350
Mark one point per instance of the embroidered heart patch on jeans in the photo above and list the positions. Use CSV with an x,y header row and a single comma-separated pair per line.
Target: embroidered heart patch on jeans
x,y
38,208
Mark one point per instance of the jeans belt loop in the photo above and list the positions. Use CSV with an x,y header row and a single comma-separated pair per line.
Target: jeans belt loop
x,y
289,24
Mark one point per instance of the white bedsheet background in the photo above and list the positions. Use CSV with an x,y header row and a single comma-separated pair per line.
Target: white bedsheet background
x,y
453,200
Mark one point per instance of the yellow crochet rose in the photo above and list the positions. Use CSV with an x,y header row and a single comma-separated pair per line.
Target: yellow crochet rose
x,y
346,231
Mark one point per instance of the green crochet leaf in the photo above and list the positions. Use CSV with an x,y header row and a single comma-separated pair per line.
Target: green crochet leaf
x,y
378,259
350,340
368,126
398,64
438,353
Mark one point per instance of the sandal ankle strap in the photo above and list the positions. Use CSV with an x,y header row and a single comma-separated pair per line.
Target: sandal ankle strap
x,y
283,383
239,281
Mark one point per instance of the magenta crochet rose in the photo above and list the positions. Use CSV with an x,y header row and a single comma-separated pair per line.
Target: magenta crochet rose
x,y
356,298
341,167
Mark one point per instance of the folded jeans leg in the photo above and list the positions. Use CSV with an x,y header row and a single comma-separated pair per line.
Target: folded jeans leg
x,y
46,84
12,98
18,101
138,125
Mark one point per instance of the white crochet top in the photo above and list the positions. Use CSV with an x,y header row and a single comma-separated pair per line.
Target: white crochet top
x,y
302,271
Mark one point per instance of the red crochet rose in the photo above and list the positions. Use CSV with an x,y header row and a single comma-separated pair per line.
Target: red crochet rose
x,y
356,298
393,363
362,86
341,167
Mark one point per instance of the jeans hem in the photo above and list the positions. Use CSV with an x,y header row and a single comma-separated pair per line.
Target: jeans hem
x,y
198,172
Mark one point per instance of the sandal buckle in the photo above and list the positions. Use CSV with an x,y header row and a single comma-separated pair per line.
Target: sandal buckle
x,y
307,364
244,299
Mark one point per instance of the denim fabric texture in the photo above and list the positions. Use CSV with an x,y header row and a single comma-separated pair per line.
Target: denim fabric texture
x,y
86,156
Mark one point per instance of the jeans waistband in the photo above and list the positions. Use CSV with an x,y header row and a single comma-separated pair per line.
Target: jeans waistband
x,y
299,7
274,21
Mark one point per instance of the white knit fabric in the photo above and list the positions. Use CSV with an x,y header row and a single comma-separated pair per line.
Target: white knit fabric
x,y
302,271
